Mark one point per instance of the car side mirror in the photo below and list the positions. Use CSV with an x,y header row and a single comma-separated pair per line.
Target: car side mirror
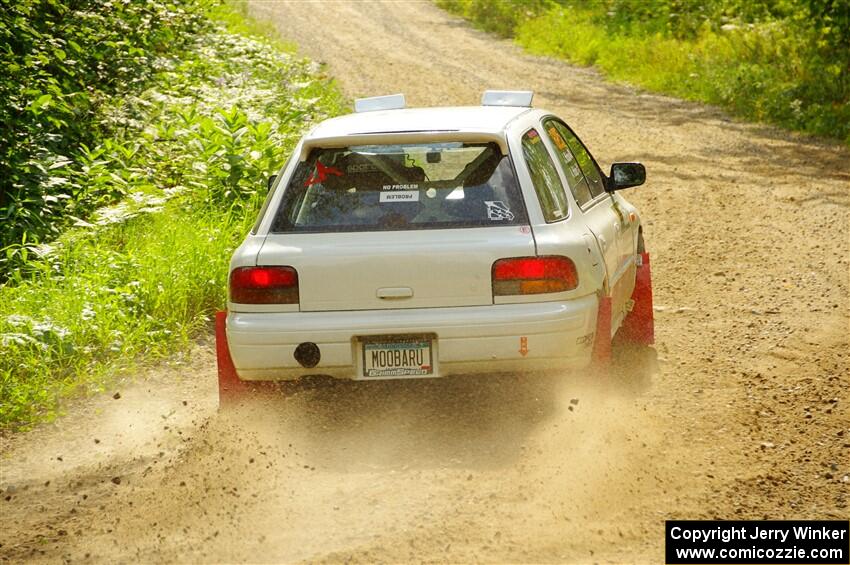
x,y
272,178
626,175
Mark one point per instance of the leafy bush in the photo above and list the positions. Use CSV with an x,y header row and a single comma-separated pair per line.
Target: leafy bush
x,y
143,276
63,63
781,62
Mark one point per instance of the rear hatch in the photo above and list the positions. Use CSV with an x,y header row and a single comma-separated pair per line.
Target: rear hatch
x,y
399,269
398,226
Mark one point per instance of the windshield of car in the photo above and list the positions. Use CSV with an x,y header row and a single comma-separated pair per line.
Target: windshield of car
x,y
401,187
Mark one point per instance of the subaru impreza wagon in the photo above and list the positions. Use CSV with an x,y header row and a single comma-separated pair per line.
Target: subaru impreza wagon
x,y
405,243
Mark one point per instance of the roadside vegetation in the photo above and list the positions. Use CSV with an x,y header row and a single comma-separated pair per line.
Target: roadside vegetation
x,y
786,63
65,74
128,181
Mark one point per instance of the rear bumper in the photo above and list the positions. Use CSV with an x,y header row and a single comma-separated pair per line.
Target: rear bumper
x,y
474,339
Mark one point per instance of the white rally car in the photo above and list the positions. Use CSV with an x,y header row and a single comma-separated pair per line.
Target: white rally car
x,y
410,243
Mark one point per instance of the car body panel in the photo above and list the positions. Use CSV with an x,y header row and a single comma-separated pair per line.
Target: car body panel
x,y
557,335
600,223
371,270
492,119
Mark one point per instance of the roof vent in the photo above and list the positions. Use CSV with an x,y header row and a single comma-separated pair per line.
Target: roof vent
x,y
390,102
507,98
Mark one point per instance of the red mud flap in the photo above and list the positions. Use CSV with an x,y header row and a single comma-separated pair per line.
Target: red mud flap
x,y
639,325
230,387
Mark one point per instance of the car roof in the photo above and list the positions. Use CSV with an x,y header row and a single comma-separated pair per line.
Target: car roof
x,y
480,119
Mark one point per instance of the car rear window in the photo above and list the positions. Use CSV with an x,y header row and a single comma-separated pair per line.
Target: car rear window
x,y
401,187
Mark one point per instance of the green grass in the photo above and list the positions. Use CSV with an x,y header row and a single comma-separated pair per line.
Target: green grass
x,y
64,65
142,288
139,280
789,67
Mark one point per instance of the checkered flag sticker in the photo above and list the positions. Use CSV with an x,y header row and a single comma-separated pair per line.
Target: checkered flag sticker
x,y
496,210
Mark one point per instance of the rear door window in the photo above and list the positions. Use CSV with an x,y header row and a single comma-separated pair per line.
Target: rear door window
x,y
401,187
585,161
544,177
558,133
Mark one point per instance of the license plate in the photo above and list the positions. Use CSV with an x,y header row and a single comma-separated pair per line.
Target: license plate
x,y
397,357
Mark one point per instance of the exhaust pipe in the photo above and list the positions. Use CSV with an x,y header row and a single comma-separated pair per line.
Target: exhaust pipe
x,y
307,354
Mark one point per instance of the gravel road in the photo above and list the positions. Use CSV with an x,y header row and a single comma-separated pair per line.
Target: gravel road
x,y
745,415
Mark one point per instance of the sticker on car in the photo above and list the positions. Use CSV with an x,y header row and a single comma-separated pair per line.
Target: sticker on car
x,y
497,210
400,196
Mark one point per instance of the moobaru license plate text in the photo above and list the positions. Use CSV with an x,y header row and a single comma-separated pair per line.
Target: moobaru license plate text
x,y
396,359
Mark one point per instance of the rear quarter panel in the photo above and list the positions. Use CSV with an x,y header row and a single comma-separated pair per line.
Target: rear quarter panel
x,y
565,237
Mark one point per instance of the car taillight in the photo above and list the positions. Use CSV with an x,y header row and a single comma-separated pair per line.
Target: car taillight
x,y
533,275
264,285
